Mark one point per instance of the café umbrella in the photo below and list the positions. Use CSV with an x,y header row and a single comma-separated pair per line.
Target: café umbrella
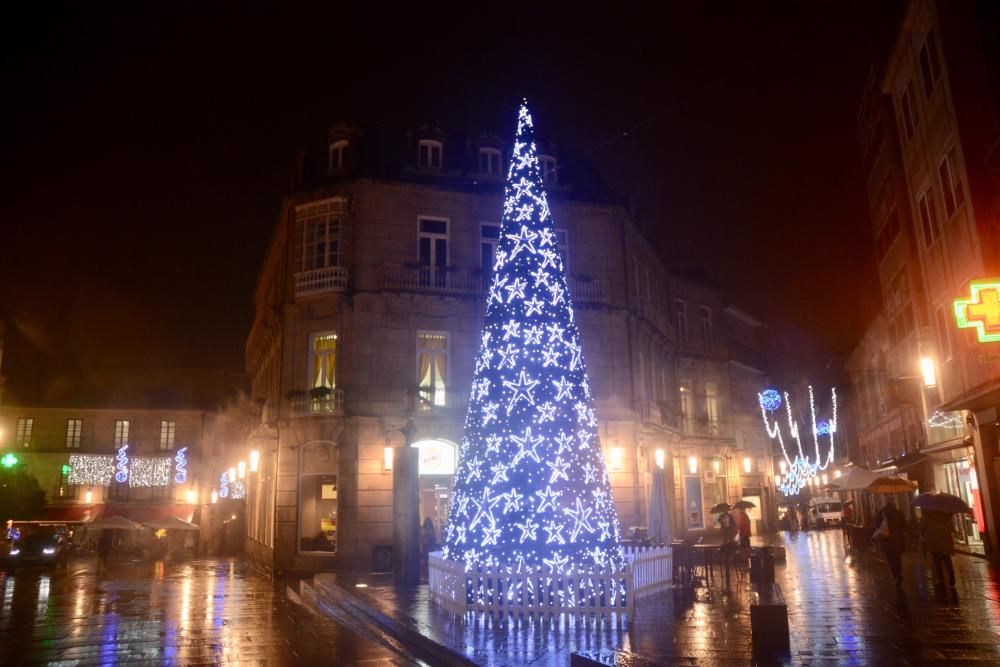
x,y
891,485
721,508
743,505
936,501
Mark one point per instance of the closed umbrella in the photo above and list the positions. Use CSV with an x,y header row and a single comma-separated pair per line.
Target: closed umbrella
x,y
890,485
659,517
936,501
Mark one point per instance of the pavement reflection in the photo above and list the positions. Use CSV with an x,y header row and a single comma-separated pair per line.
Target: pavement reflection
x,y
198,612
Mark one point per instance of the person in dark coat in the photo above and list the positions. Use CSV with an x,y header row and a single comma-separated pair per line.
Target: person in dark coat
x,y
892,538
935,528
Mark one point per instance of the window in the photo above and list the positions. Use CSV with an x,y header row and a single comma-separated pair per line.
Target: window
x,y
321,235
489,237
930,65
338,155
687,399
712,407
318,499
22,437
562,247
548,167
432,249
323,360
74,427
66,491
641,380
432,368
167,431
121,432
951,185
681,320
429,154
928,218
944,333
706,323
489,161
909,110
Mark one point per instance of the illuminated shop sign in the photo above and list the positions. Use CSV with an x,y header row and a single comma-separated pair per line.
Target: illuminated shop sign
x,y
982,310
436,457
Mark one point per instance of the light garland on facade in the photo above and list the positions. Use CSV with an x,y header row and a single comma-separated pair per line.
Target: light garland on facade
x,y
90,469
940,419
181,465
531,488
144,472
121,475
224,485
801,469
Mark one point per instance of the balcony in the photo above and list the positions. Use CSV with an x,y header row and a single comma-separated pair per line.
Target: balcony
x,y
319,281
589,291
434,279
307,406
653,315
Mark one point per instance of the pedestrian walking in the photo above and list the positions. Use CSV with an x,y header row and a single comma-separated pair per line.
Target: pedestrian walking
x,y
935,528
890,533
743,527
428,541
728,526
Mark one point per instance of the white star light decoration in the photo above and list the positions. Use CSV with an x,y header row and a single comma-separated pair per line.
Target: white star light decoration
x,y
531,487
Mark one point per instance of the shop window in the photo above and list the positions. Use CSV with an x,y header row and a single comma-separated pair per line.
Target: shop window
x,y
318,499
22,437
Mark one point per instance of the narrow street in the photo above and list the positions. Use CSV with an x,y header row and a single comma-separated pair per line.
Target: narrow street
x,y
192,613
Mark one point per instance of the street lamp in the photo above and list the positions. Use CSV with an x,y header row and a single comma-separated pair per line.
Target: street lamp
x,y
927,372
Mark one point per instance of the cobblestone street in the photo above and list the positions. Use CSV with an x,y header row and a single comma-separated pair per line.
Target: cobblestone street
x,y
191,613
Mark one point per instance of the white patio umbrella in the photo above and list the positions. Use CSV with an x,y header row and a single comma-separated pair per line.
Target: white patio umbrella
x,y
171,523
659,518
113,523
855,479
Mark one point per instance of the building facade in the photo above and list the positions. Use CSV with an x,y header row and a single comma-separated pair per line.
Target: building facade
x,y
369,306
925,392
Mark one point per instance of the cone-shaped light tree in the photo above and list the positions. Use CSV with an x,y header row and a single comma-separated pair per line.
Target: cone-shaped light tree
x,y
531,489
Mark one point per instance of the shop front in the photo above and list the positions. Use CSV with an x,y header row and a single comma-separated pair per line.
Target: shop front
x,y
958,477
436,468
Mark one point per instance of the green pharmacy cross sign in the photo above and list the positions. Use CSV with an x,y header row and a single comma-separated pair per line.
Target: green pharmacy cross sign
x,y
9,460
982,311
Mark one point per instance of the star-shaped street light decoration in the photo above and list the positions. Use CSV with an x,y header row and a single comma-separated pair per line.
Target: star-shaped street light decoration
x,y
527,446
581,519
520,390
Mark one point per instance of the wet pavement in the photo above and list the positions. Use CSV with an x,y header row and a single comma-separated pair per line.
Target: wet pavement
x,y
841,610
188,613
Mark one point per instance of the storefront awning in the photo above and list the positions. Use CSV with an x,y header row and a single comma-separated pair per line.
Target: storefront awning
x,y
146,513
71,513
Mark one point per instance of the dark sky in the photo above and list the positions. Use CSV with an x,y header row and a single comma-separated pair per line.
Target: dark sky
x,y
145,151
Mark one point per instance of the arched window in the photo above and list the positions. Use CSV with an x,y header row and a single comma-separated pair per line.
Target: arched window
x,y
318,498
338,155
429,154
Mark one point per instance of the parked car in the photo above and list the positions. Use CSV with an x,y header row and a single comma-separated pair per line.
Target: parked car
x,y
826,511
47,549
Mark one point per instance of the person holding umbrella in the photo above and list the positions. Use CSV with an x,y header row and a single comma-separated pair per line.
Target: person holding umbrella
x,y
726,522
935,527
890,531
743,522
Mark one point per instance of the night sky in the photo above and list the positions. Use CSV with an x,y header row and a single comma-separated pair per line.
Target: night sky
x,y
146,149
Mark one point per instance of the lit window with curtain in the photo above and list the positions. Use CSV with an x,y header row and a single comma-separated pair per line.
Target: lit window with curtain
x,y
432,367
323,350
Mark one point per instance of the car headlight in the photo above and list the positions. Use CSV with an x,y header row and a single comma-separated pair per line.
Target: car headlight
x,y
14,552
48,551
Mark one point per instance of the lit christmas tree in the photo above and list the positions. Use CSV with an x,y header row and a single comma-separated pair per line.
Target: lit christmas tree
x,y
531,490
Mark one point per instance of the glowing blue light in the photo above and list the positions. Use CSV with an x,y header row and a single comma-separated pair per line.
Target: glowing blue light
x,y
121,465
181,465
224,485
823,428
770,399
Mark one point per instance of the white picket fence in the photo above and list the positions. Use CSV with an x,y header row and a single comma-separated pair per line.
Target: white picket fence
x,y
648,571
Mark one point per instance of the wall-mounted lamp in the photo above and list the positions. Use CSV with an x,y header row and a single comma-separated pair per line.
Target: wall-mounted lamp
x,y
747,465
617,457
192,496
254,461
717,466
836,474
88,497
387,458
241,469
693,464
826,479
782,467
661,458
232,475
777,480
215,496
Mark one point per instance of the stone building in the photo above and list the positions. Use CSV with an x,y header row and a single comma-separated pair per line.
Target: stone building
x,y
368,308
925,393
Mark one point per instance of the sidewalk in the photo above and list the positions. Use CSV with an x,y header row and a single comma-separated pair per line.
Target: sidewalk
x,y
841,611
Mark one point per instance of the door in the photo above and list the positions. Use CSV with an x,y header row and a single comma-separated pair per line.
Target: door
x,y
432,247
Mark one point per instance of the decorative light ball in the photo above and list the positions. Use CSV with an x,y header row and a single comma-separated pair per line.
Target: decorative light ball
x,y
770,400
823,428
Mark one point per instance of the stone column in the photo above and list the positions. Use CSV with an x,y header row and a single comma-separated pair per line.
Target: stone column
x,y
406,511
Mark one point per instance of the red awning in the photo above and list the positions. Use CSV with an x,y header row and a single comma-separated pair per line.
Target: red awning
x,y
71,513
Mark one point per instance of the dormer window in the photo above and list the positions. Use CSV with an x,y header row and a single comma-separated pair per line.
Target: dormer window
x,y
489,162
429,154
547,163
338,155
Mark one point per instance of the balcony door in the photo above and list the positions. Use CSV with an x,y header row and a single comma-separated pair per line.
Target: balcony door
x,y
432,249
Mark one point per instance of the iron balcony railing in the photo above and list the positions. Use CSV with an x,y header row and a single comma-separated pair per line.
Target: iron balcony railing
x,y
307,406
